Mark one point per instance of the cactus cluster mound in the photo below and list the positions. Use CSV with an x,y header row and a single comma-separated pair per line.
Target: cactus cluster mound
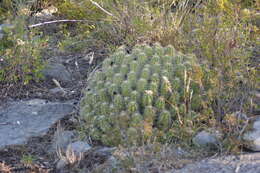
x,y
142,94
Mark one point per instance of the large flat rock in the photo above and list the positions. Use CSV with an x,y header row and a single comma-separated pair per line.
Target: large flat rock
x,y
22,120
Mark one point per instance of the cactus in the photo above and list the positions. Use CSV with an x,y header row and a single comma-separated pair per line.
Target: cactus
x,y
126,88
165,119
141,85
132,107
147,98
136,120
149,113
145,86
160,103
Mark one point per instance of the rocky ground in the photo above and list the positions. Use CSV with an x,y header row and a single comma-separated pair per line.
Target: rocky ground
x,y
248,163
40,132
36,127
38,122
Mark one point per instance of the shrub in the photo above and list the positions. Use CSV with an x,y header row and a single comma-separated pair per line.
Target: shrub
x,y
80,10
153,91
224,38
222,33
20,55
129,22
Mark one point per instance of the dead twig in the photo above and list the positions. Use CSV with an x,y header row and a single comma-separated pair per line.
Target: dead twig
x,y
89,57
59,86
105,11
67,20
56,21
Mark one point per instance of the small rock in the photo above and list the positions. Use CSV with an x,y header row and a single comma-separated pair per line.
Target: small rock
x,y
106,151
240,116
256,125
111,165
61,164
57,71
207,138
112,161
79,147
62,139
1,36
253,137
57,90
3,28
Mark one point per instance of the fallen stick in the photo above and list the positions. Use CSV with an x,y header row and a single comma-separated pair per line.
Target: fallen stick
x,y
56,21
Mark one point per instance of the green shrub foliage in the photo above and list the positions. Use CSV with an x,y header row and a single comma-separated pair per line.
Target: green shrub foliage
x,y
20,53
141,95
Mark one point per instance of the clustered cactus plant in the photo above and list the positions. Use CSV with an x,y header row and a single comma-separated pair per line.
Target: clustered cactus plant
x,y
142,94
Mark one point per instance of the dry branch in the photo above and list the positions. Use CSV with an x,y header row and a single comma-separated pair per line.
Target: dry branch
x,y
56,21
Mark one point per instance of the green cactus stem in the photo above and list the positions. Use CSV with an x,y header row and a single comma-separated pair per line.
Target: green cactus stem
x,y
142,93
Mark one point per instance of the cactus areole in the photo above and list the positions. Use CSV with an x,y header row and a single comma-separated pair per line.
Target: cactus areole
x,y
140,95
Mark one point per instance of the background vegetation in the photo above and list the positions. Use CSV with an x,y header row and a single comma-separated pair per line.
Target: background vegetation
x,y
221,33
